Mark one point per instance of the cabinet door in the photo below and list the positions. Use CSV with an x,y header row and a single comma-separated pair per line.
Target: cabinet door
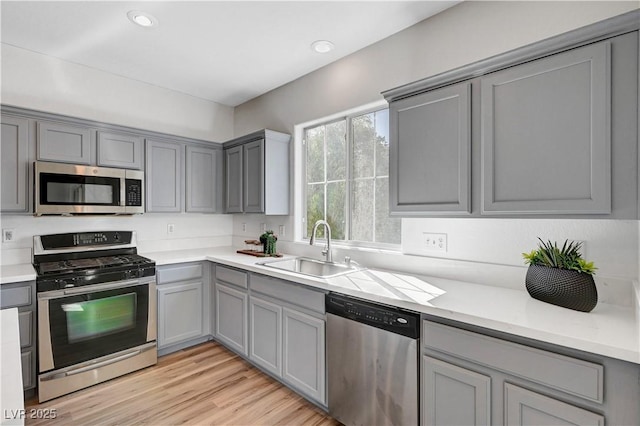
x,y
201,168
163,176
430,152
266,335
453,395
118,150
28,360
546,135
15,163
523,407
179,312
64,143
233,179
253,177
231,318
304,353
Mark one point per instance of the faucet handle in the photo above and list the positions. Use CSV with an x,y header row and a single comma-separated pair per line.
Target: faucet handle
x,y
347,260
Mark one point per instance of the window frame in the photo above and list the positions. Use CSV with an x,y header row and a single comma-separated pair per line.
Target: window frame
x,y
301,211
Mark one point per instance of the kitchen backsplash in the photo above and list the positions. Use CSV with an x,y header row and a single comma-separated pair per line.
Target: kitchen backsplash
x,y
189,231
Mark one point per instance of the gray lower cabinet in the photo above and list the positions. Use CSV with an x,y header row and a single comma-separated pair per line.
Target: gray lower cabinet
x,y
304,353
430,152
232,309
183,308
163,176
287,334
265,334
15,164
453,395
523,407
546,135
64,143
120,150
469,378
257,173
22,295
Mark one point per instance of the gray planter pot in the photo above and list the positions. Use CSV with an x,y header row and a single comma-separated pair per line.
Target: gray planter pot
x,y
561,287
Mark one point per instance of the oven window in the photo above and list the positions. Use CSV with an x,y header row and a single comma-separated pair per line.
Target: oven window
x,y
96,318
83,190
87,326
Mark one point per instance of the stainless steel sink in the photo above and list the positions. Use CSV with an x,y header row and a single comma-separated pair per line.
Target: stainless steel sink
x,y
313,267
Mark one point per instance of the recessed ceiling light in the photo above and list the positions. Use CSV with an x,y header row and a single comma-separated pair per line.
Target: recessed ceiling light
x,y
141,18
322,46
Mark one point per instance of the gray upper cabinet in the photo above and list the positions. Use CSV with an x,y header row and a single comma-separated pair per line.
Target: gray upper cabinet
x,y
233,179
430,152
546,130
546,135
120,150
163,176
201,179
15,164
64,143
257,173
253,177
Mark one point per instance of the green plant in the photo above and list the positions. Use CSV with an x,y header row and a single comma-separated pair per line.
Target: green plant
x,y
268,239
567,257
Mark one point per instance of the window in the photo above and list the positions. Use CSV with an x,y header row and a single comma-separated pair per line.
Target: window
x,y
347,179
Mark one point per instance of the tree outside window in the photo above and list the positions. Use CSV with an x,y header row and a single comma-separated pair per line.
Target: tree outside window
x,y
347,179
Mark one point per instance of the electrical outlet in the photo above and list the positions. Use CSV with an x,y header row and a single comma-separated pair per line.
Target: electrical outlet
x,y
435,242
8,235
244,227
281,230
170,228
263,226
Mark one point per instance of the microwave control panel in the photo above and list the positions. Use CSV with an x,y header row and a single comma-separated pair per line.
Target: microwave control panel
x,y
133,191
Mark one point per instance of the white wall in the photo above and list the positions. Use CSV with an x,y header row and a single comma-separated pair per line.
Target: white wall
x,y
40,82
466,33
190,231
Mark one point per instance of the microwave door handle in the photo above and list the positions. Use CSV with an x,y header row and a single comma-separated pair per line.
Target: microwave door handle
x,y
123,191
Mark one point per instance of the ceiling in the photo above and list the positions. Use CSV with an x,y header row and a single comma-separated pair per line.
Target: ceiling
x,y
223,51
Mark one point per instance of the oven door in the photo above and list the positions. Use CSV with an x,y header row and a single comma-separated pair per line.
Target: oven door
x,y
85,323
67,189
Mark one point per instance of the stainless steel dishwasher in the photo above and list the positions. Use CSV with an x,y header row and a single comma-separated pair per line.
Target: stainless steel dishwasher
x,y
372,362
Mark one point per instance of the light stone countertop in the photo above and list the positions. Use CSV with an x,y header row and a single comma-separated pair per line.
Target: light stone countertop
x,y
609,330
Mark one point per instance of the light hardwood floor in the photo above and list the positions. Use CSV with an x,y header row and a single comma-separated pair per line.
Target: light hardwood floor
x,y
202,385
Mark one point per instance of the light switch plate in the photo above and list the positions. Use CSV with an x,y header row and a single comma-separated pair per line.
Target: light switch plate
x,y
435,242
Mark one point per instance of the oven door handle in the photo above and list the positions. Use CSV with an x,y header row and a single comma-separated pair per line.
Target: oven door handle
x,y
103,363
102,287
93,366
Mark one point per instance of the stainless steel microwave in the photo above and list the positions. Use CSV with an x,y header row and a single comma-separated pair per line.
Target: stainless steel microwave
x,y
78,189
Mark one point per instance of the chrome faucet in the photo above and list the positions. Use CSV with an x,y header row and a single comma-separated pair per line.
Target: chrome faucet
x,y
327,231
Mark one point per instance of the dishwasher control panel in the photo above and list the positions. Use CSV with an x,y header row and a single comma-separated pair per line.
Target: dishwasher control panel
x,y
385,317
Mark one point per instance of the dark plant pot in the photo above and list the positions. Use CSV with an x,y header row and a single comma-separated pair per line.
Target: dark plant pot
x,y
569,289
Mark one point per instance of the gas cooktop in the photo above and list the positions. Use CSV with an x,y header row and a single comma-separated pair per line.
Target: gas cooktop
x,y
64,261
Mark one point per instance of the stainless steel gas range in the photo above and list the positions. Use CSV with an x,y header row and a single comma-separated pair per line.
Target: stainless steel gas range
x,y
96,309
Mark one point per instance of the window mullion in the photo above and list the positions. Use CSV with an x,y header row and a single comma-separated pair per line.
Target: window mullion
x,y
348,207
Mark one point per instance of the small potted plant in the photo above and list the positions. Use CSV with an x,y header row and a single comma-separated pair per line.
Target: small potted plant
x,y
268,240
561,276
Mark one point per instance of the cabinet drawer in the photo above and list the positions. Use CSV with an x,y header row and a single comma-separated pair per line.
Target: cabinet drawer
x,y
168,274
292,293
231,276
16,296
570,375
